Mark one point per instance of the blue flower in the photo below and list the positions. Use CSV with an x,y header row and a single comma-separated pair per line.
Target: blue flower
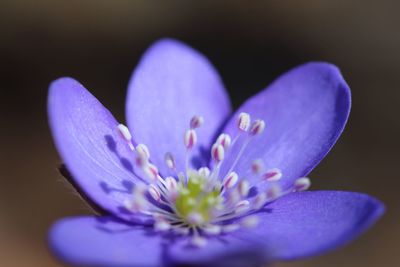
x,y
176,190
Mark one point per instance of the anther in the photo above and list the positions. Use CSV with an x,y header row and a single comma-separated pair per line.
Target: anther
x,y
154,193
244,188
302,184
217,152
212,229
242,206
230,180
250,221
272,175
204,171
143,151
259,201
199,241
224,140
190,138
257,166
195,218
244,121
126,135
274,191
161,226
257,127
196,122
169,160
151,171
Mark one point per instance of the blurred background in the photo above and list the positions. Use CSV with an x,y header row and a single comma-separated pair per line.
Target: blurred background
x,y
250,43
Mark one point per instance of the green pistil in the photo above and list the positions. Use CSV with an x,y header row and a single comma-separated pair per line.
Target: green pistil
x,y
194,197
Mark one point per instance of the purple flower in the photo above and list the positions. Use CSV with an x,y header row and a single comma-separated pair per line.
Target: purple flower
x,y
176,190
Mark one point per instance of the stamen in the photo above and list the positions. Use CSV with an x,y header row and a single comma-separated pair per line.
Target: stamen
x,y
161,226
199,241
242,206
302,184
196,122
195,218
244,188
259,201
151,171
257,166
217,152
224,140
230,180
250,221
212,229
274,191
170,161
126,135
272,175
143,151
257,127
190,138
204,171
244,121
154,193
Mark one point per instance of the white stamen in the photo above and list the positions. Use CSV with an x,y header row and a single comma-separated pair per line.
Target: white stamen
x,y
154,193
244,188
161,226
257,127
182,230
257,166
302,184
212,229
204,171
259,201
234,196
250,221
143,151
190,138
230,180
195,218
217,152
224,140
244,121
274,191
126,135
272,175
199,241
169,160
196,122
242,206
151,171
230,228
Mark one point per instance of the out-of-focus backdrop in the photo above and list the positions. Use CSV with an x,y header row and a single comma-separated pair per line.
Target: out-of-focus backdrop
x,y
250,43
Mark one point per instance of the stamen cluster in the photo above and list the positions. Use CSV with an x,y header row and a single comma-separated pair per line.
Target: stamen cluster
x,y
201,203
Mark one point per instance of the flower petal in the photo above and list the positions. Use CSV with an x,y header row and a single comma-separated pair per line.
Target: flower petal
x,y
305,111
87,139
103,241
310,223
172,84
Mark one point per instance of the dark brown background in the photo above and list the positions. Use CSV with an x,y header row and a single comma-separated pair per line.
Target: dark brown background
x,y
250,42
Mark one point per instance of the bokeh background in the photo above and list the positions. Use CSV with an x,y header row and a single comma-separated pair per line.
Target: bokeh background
x,y
250,43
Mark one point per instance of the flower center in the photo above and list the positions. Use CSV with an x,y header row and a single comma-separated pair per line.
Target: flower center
x,y
203,202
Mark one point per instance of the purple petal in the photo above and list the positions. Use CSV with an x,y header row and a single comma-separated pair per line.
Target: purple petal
x,y
86,137
305,111
103,241
172,84
310,223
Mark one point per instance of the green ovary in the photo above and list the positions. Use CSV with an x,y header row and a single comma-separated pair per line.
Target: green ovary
x,y
195,198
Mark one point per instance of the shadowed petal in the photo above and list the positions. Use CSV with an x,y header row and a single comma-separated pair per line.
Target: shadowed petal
x,y
305,111
86,137
102,241
171,84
